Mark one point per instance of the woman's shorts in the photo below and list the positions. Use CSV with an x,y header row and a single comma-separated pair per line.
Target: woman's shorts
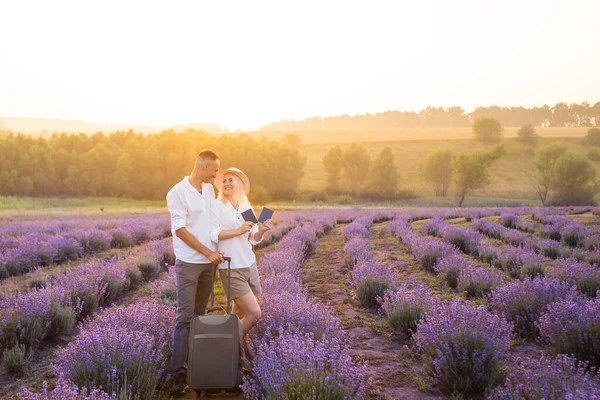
x,y
243,281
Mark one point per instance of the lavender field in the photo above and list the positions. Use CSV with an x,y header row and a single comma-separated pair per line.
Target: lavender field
x,y
482,303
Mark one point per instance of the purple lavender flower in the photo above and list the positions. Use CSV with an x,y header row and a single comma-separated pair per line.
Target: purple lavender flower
x,y
406,306
547,378
573,234
523,302
525,226
520,261
463,347
489,253
294,314
65,390
488,228
572,326
466,240
509,220
432,227
476,281
581,274
128,346
355,229
283,261
291,367
32,316
28,244
371,280
515,238
165,288
549,248
448,268
357,250
399,227
301,237
427,251
282,282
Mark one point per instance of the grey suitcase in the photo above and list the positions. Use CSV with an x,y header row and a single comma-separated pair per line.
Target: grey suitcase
x,y
214,360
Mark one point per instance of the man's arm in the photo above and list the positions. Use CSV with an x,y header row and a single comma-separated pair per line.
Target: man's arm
x,y
178,212
215,257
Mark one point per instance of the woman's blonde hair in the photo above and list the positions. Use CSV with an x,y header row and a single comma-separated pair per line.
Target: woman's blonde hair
x,y
238,189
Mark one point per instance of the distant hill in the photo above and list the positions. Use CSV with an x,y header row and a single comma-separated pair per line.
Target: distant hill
x,y
209,128
46,126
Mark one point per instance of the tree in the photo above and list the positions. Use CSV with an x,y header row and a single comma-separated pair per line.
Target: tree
x,y
384,177
437,170
526,133
292,139
592,137
488,129
471,171
136,165
574,180
544,162
332,162
356,163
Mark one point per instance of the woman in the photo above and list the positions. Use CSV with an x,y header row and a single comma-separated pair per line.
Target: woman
x,y
235,238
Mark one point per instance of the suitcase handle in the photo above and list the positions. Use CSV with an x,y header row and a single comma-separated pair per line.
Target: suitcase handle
x,y
212,292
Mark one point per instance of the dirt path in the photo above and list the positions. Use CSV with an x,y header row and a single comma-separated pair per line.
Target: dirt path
x,y
394,371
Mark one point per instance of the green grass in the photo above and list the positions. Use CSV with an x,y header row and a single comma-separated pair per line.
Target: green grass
x,y
509,176
11,205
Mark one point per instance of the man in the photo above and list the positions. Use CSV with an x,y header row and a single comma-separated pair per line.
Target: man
x,y
189,203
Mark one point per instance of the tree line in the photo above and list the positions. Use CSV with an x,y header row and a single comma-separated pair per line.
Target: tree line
x,y
133,165
353,172
559,115
558,177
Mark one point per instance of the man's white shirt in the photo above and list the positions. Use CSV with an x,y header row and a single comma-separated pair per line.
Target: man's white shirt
x,y
191,209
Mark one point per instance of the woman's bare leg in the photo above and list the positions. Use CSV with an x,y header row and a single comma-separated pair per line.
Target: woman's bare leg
x,y
237,311
248,305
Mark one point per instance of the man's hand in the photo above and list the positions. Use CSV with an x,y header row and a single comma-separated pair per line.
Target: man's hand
x,y
216,257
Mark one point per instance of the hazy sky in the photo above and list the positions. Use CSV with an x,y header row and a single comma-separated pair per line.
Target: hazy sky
x,y
247,63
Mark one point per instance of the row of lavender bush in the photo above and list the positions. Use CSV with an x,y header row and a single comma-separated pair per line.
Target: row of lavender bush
x,y
27,245
370,279
464,347
46,312
294,348
298,347
517,262
578,242
123,351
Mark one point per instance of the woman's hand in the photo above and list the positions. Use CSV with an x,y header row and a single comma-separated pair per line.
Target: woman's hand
x,y
246,227
266,226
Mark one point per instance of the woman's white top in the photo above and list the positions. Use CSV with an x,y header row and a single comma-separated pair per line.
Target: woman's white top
x,y
223,218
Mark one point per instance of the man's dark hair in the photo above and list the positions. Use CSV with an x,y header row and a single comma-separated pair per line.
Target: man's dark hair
x,y
206,155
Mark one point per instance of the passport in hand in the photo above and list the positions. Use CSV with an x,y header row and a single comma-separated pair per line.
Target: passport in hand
x,y
265,214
